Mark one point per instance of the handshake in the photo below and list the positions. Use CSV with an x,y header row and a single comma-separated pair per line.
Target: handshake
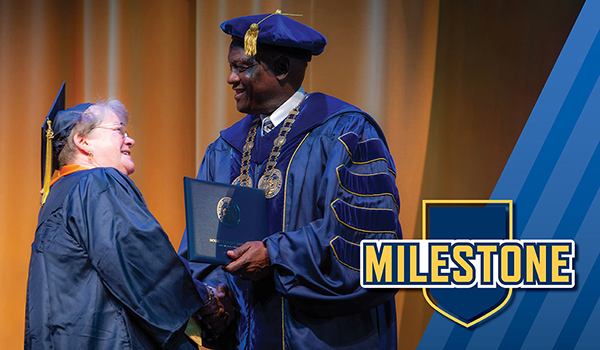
x,y
217,313
250,261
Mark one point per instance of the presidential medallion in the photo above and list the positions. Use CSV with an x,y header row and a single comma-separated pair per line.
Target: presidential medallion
x,y
228,212
271,183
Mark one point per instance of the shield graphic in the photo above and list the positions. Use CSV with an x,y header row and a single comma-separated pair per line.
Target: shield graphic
x,y
467,219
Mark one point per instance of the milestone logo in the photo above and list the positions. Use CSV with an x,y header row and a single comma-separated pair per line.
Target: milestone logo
x,y
467,262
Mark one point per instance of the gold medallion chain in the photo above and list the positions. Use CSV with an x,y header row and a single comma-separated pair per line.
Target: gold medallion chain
x,y
244,179
272,179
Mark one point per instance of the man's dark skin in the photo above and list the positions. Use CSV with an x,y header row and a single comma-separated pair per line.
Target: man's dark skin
x,y
262,83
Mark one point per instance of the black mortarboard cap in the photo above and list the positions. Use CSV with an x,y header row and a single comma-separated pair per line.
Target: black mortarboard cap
x,y
274,29
55,130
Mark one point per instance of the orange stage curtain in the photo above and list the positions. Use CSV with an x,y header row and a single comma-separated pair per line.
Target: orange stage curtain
x,y
451,82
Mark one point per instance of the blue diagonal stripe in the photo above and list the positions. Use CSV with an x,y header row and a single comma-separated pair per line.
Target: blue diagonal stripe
x,y
558,136
544,209
559,196
459,338
590,337
581,312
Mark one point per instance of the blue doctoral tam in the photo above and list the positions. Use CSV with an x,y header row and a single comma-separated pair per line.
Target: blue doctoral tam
x,y
279,30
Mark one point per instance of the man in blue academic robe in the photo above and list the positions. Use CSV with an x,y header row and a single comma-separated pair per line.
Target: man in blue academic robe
x,y
329,180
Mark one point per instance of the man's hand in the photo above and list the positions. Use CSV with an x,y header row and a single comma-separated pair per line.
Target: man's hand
x,y
226,298
251,260
218,312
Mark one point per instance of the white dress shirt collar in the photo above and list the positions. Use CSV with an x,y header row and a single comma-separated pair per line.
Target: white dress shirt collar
x,y
282,112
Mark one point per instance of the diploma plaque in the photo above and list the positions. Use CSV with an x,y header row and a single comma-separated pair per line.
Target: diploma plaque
x,y
221,217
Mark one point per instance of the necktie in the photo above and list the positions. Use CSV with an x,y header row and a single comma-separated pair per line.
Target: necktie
x,y
267,125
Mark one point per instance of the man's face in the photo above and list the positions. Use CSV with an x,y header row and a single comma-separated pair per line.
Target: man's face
x,y
256,87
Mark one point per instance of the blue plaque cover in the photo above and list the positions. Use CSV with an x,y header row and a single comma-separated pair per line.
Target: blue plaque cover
x,y
221,217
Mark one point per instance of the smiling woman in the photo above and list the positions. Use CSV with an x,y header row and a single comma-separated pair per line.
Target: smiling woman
x,y
107,144
95,238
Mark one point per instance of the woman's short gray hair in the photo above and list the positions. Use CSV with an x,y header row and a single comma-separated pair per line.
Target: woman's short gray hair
x,y
90,119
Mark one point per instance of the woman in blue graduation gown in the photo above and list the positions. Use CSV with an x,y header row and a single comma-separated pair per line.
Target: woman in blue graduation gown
x,y
103,274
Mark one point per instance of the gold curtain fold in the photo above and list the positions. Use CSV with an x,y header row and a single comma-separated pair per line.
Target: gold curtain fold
x,y
451,83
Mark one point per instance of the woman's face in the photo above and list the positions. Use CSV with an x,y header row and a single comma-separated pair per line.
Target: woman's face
x,y
111,147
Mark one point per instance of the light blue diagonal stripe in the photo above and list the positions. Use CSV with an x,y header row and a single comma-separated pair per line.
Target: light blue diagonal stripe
x,y
437,333
568,171
590,337
532,199
558,304
576,158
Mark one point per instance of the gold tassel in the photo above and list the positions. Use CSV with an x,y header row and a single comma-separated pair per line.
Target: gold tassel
x,y
48,168
252,34
250,40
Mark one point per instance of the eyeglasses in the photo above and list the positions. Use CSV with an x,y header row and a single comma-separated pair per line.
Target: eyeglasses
x,y
115,126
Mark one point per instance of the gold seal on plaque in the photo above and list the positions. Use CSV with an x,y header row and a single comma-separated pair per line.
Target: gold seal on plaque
x,y
228,212
271,184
